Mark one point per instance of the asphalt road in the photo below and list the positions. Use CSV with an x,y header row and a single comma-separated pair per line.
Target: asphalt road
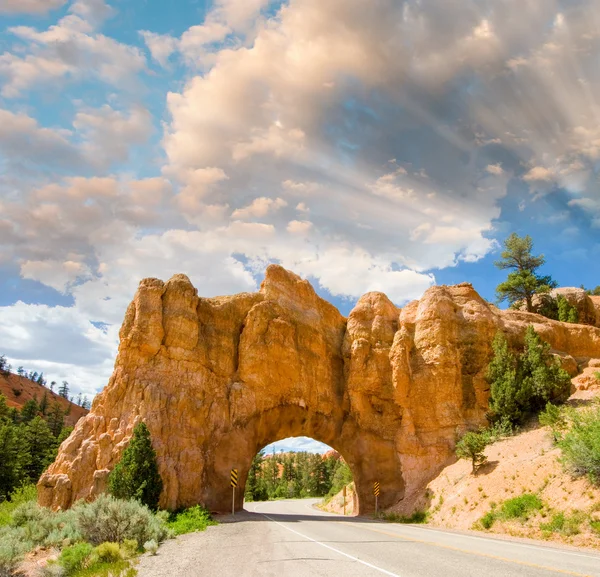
x,y
291,538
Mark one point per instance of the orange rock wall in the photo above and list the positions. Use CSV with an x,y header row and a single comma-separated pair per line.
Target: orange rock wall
x,y
217,379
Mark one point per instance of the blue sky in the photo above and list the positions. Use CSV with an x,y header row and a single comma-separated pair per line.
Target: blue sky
x,y
384,149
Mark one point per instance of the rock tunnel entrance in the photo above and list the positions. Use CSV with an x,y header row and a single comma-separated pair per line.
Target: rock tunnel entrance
x,y
370,458
217,379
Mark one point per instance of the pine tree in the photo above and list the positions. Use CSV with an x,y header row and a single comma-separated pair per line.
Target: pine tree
x,y
44,404
506,394
524,282
21,371
56,419
541,373
86,404
52,385
136,476
42,447
79,399
472,447
29,411
63,390
14,457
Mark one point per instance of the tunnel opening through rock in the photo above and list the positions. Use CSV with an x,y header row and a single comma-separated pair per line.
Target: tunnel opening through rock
x,y
296,468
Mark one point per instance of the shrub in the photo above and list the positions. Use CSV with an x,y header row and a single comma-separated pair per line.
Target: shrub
x,y
107,553
488,520
44,527
136,476
417,517
520,507
113,520
190,520
151,547
553,417
13,546
472,447
75,557
580,445
564,524
17,497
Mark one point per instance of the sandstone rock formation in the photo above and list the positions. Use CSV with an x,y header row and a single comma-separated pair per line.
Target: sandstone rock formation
x,y
217,379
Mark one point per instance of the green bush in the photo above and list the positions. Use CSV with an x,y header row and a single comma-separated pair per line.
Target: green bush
x,y
580,445
151,547
564,524
520,507
107,553
553,417
75,557
190,520
136,476
45,527
13,546
595,525
488,520
17,497
113,520
418,517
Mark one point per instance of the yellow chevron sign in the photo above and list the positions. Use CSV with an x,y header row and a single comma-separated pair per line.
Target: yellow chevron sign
x,y
234,477
376,488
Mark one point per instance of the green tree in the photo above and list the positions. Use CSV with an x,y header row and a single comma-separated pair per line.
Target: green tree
x,y
44,404
507,397
56,419
523,282
14,457
472,447
524,384
63,390
541,373
4,409
42,447
136,476
567,313
29,411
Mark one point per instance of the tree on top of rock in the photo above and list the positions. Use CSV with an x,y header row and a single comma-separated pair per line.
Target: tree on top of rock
x,y
136,476
523,282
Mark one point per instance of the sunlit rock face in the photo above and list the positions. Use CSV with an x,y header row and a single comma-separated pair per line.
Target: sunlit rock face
x,y
217,379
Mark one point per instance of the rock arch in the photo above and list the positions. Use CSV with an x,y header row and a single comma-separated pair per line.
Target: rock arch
x,y
215,379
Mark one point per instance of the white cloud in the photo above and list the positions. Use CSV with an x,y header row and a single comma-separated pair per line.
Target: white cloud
x,y
259,208
70,49
161,46
539,173
296,445
495,169
29,6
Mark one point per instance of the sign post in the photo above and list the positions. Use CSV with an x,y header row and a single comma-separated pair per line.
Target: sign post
x,y
234,482
376,493
344,495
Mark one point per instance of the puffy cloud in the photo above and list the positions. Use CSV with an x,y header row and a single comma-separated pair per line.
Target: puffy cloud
x,y
109,133
259,208
29,6
72,48
539,173
161,46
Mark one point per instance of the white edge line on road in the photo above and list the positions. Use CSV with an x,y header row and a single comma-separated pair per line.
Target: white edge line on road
x,y
328,546
493,539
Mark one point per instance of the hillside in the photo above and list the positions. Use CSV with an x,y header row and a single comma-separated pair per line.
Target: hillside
x,y
527,463
18,390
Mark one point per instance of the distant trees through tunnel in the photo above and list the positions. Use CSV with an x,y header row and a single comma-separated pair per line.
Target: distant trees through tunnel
x,y
281,474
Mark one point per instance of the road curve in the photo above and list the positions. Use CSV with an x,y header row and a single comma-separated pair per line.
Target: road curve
x,y
292,538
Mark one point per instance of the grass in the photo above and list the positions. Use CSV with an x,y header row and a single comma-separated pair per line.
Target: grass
x,y
564,524
17,497
517,508
190,520
418,517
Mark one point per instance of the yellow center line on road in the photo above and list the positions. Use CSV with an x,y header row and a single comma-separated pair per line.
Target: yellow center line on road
x,y
467,551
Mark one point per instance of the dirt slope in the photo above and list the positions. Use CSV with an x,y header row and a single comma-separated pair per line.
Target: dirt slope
x,y
19,390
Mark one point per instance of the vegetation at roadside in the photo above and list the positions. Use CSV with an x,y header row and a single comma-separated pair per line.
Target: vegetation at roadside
x,y
136,475
577,434
295,475
189,520
418,517
530,507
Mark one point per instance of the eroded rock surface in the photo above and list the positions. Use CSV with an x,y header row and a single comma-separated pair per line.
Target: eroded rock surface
x,y
217,379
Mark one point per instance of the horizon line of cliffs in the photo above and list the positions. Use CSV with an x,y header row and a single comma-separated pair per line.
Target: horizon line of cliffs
x,y
217,379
